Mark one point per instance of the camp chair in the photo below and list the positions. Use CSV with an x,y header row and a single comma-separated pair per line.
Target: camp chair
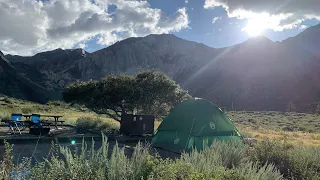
x,y
14,124
35,119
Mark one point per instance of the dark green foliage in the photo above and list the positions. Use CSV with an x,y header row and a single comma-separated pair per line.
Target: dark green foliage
x,y
292,162
150,92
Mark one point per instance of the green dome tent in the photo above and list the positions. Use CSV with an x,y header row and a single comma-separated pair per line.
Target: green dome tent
x,y
191,123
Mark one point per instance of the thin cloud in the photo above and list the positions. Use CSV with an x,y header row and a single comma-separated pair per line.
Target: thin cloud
x,y
214,20
303,27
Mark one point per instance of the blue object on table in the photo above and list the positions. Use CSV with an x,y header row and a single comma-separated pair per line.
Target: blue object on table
x,y
35,118
14,124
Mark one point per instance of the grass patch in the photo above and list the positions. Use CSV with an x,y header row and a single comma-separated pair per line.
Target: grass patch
x,y
85,124
286,121
297,138
70,112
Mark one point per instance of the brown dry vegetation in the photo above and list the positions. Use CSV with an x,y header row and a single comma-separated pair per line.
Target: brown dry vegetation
x,y
294,128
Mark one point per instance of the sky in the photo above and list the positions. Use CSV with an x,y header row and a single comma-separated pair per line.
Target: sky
x,y
31,26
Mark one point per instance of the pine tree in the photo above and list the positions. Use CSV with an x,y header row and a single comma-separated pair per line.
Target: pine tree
x,y
318,109
291,107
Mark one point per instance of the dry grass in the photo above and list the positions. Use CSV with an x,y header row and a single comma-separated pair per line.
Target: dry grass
x,y
295,138
295,128
70,113
287,121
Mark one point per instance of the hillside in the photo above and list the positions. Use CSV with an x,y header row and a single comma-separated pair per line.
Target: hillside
x,y
14,84
259,75
255,75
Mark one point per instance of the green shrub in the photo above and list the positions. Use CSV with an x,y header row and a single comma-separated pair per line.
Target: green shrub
x,y
208,162
6,165
178,169
221,161
4,117
85,124
304,162
56,103
232,153
292,162
26,110
7,100
253,172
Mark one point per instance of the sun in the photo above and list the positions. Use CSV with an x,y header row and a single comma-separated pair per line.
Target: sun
x,y
257,25
254,30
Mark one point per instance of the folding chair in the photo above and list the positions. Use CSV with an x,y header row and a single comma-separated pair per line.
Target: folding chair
x,y
35,119
14,124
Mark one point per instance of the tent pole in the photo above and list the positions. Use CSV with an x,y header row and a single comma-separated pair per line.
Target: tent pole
x,y
194,119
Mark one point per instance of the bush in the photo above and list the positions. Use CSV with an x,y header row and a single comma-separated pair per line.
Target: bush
x,y
4,117
179,169
292,162
26,110
7,100
6,165
252,171
88,163
85,124
56,103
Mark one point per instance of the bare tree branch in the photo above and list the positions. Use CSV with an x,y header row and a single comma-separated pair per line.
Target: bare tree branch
x,y
116,118
117,112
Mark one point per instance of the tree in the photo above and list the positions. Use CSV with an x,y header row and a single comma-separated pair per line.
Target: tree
x,y
318,109
150,92
291,107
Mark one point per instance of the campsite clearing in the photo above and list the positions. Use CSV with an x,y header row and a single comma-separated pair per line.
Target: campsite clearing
x,y
297,128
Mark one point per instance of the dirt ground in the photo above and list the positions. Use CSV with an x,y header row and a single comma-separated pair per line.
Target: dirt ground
x,y
39,150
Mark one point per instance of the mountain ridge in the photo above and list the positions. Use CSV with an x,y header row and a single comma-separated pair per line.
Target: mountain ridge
x,y
258,74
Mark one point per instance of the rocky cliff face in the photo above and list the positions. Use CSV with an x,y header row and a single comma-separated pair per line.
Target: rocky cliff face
x,y
14,84
168,53
256,75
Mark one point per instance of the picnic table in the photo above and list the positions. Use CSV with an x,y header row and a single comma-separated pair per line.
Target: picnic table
x,y
56,118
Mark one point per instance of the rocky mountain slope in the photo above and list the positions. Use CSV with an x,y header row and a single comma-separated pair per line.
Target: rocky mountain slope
x,y
15,84
260,75
256,75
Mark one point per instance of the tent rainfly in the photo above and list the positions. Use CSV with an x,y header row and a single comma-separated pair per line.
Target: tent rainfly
x,y
193,122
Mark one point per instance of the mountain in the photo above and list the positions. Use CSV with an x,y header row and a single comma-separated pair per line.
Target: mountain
x,y
258,74
47,68
14,84
308,40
